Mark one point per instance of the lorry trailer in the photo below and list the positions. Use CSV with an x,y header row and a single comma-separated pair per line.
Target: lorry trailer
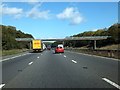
x,y
38,45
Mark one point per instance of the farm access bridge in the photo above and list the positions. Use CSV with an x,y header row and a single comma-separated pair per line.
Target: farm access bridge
x,y
93,38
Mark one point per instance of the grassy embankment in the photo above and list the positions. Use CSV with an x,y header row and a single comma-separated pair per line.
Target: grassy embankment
x,y
111,47
108,47
14,51
106,51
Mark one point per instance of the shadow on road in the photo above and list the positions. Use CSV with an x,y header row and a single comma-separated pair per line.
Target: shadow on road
x,y
57,53
35,51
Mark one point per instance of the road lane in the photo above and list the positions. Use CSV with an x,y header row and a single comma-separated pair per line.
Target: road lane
x,y
56,71
103,67
13,67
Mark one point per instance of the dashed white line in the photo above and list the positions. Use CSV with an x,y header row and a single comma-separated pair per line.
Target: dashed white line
x,y
1,85
112,83
38,57
64,56
74,61
30,63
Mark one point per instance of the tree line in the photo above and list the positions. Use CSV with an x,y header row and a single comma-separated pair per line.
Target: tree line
x,y
9,33
113,31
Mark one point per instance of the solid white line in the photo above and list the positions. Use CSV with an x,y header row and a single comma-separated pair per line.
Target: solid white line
x,y
74,61
6,59
94,55
14,57
1,85
30,63
112,83
64,56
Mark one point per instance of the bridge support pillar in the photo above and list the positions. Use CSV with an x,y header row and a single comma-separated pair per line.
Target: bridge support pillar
x,y
94,44
63,43
30,45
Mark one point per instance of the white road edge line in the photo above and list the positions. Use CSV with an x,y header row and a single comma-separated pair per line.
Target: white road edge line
x,y
1,85
112,83
74,61
30,63
94,55
14,57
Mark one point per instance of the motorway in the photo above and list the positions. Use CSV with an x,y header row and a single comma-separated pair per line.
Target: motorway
x,y
64,70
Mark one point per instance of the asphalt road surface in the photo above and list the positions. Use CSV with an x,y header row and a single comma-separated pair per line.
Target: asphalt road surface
x,y
65,70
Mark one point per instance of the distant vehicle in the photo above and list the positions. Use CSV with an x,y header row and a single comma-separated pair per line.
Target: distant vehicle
x,y
59,49
44,46
60,45
48,47
37,45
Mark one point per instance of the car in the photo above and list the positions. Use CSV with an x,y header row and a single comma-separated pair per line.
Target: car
x,y
59,50
48,47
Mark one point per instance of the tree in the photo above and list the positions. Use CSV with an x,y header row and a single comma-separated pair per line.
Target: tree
x,y
9,33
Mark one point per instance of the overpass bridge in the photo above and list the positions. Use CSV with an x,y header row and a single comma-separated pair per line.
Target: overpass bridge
x,y
78,38
94,38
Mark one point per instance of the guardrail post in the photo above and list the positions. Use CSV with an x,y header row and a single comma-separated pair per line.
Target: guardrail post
x,y
113,54
108,53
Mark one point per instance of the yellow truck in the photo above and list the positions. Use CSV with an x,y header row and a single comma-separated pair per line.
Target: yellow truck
x,y
37,45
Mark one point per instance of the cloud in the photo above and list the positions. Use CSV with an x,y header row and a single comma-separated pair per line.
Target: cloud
x,y
94,30
36,13
13,11
33,1
18,12
72,14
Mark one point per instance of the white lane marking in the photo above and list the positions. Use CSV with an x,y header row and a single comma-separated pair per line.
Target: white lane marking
x,y
95,56
41,54
14,57
6,59
38,57
1,85
112,83
64,56
30,63
74,61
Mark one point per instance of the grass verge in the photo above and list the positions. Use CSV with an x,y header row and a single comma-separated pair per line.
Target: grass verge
x,y
11,52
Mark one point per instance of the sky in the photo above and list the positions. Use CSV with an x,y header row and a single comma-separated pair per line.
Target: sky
x,y
58,19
